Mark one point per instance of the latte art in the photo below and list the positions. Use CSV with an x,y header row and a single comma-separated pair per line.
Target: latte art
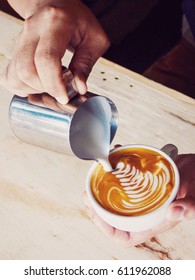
x,y
140,187
142,181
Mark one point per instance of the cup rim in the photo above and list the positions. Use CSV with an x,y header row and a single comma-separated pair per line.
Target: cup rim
x,y
164,205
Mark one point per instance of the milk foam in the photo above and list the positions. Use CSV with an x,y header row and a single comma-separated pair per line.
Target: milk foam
x,y
140,186
106,164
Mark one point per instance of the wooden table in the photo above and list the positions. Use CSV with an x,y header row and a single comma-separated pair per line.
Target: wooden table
x,y
42,215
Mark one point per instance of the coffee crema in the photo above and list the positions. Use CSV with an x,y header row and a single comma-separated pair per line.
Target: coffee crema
x,y
141,181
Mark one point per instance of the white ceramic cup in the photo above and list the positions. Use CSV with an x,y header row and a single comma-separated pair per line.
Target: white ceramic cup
x,y
144,221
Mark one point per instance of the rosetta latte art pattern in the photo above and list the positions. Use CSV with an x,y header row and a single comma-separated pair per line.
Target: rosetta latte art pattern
x,y
137,185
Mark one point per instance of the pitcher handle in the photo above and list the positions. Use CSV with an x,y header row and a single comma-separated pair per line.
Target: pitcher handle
x,y
69,82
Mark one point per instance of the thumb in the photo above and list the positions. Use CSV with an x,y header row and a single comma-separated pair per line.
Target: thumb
x,y
81,66
85,56
181,209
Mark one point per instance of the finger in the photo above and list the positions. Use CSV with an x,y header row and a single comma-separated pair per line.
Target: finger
x,y
12,82
80,81
117,236
123,238
81,66
49,69
35,99
104,228
50,102
50,50
85,56
181,209
175,213
25,65
47,101
10,78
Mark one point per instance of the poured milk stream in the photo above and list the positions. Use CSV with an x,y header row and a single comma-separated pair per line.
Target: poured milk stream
x,y
106,164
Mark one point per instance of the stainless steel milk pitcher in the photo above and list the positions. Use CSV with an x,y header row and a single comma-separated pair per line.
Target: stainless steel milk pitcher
x,y
57,127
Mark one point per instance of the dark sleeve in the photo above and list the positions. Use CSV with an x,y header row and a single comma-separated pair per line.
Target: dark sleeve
x,y
119,17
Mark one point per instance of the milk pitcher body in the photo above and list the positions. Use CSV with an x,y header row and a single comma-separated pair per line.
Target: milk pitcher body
x,y
61,128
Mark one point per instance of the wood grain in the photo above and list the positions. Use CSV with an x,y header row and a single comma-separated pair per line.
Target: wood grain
x,y
42,215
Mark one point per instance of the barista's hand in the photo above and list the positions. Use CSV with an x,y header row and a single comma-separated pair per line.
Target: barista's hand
x,y
181,209
56,25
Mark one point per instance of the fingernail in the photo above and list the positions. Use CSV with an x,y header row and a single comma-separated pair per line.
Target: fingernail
x,y
176,214
81,86
62,100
